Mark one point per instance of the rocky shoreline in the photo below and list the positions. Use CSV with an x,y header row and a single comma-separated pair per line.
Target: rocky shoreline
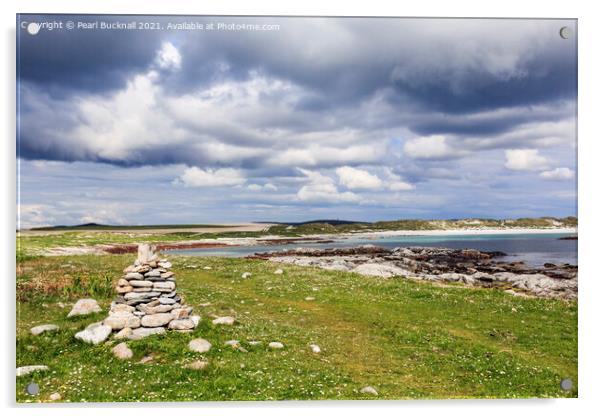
x,y
469,267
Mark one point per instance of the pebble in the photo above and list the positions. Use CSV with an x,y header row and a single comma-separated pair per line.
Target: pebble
x,y
207,268
23,371
146,359
224,320
37,330
310,298
199,345
315,348
84,307
122,351
245,275
369,390
276,345
278,271
55,396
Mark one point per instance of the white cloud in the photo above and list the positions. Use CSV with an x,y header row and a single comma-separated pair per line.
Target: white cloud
x,y
396,183
322,188
354,178
168,57
266,187
34,215
558,174
525,159
318,155
195,177
430,147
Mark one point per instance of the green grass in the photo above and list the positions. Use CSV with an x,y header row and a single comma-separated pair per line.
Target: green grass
x,y
408,339
95,227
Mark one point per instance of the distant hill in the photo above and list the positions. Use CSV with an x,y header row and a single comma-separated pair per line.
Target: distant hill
x,y
329,222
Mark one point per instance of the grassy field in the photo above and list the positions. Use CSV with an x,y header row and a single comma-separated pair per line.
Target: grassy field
x,y
407,339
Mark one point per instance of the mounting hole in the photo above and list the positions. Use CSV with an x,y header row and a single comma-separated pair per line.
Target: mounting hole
x,y
565,32
566,384
32,389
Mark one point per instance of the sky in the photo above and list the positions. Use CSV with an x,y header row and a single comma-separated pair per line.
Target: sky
x,y
294,119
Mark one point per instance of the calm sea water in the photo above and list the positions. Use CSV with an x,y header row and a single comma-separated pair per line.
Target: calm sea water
x,y
534,249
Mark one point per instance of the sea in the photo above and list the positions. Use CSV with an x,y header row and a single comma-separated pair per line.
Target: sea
x,y
534,249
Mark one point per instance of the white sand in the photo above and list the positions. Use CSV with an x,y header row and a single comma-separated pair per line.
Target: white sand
x,y
475,231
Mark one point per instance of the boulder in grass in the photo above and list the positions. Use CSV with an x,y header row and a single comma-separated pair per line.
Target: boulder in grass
x,y
94,333
224,320
369,390
40,329
122,351
84,307
199,345
23,371
276,345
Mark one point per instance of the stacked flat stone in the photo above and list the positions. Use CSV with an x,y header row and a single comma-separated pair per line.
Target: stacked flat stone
x,y
148,302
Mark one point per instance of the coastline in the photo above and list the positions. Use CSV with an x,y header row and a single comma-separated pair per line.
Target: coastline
x,y
465,231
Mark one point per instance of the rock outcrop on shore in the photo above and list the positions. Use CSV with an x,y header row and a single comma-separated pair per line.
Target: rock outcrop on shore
x,y
469,267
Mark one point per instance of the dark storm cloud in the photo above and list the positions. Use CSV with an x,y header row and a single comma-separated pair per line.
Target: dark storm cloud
x,y
476,81
90,60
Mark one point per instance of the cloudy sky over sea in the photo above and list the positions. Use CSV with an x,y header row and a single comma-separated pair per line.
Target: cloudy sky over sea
x,y
360,119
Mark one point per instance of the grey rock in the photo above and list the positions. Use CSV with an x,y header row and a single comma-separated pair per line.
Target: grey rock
x,y
199,345
124,333
369,390
133,276
164,286
37,330
55,396
84,307
195,319
122,351
380,270
23,371
158,319
140,295
224,320
122,320
141,283
181,324
153,273
94,333
276,345
143,332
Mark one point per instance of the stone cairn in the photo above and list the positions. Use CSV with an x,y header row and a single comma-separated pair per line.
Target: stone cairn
x,y
148,302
